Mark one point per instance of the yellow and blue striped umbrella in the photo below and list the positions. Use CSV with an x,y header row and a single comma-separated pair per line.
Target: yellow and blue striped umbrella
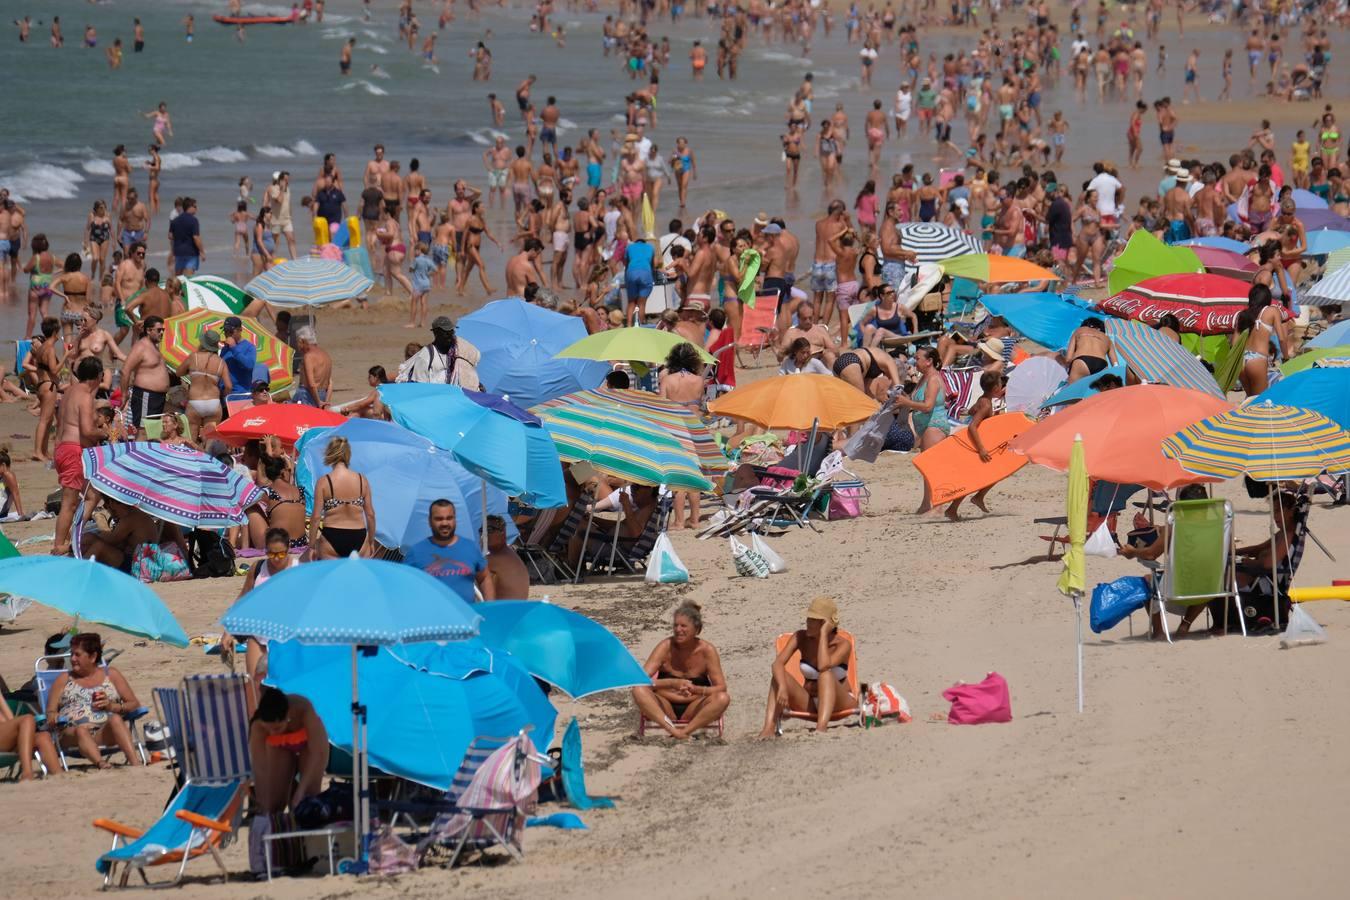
x,y
624,445
309,281
1263,440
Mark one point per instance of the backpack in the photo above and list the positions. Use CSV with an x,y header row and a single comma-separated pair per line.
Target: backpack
x,y
209,554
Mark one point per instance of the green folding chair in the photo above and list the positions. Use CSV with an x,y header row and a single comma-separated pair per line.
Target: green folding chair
x,y
1200,565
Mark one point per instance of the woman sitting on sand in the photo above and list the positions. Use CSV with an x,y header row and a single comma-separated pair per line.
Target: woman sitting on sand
x,y
824,667
90,700
688,689
289,748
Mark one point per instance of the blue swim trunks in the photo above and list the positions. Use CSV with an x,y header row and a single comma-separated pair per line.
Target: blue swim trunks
x,y
593,173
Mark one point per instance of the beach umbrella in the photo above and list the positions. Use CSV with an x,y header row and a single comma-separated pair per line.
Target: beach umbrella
x,y
1317,219
1323,242
1046,318
1330,290
92,592
492,438
430,701
1202,303
629,344
517,342
1073,580
648,219
1307,199
1218,261
287,421
406,473
359,603
1032,381
675,418
1122,433
1222,243
933,243
171,482
624,445
1156,359
1335,336
990,269
568,650
1323,391
797,402
211,292
183,337
1082,388
1147,257
1336,259
1262,440
309,281
1317,357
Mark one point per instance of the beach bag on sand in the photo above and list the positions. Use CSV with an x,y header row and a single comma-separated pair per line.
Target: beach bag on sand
x,y
1099,543
748,562
847,499
977,704
209,554
1303,630
663,565
390,854
880,700
870,439
761,546
1113,601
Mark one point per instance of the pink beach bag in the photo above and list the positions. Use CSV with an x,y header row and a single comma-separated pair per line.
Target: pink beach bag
x,y
976,704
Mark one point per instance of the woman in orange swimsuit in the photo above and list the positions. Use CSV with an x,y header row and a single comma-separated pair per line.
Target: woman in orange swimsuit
x,y
289,748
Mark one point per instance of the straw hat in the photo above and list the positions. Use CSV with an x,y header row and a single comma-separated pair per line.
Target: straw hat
x,y
824,609
992,348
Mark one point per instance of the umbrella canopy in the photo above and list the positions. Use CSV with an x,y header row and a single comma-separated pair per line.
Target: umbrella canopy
x,y
1307,199
1337,335
211,292
1265,441
1218,261
92,592
934,243
489,436
309,281
1323,391
288,421
1158,360
1323,242
1336,259
636,344
624,445
517,342
1147,257
428,701
1122,432
797,402
1048,319
996,269
183,337
1318,219
1223,243
406,472
1313,357
1203,303
1083,387
689,429
1330,290
1032,382
171,482
568,650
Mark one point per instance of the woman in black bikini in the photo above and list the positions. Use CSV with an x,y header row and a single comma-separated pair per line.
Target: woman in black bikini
x,y
824,667
870,371
284,508
344,513
688,689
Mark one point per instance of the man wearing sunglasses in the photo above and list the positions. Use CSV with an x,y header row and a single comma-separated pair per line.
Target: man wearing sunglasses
x,y
145,378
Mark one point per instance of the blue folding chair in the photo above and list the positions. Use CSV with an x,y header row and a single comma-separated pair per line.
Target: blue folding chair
x,y
44,678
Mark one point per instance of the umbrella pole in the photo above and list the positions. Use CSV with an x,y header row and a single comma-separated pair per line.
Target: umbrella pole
x,y
1274,584
358,796
1078,637
810,447
586,539
483,483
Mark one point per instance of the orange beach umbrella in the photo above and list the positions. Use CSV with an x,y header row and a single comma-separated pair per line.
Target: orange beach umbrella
x,y
798,402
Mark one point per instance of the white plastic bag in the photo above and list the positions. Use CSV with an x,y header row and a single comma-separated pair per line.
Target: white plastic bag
x,y
664,565
1099,543
748,562
761,546
1303,630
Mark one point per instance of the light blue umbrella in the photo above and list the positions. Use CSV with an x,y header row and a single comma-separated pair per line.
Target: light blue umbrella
x,y
1325,391
432,701
406,473
564,648
92,592
1049,319
1218,241
1335,336
309,281
489,436
1082,388
1307,200
517,341
1321,243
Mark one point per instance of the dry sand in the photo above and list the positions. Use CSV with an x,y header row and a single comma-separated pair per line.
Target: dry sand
x,y
1214,767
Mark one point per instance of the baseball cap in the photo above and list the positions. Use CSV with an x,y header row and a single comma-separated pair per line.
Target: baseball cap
x,y
442,323
773,228
232,323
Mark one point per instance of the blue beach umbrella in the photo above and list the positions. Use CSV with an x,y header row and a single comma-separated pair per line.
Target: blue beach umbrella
x,y
1325,391
309,281
1335,336
92,592
517,341
491,437
1321,243
564,648
1049,319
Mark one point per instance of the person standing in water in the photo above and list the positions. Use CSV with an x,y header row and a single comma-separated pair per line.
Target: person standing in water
x,y
162,125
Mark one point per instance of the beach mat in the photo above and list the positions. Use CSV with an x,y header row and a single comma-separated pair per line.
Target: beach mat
x,y
953,469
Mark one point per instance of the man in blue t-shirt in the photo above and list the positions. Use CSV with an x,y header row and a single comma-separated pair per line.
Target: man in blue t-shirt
x,y
186,234
458,563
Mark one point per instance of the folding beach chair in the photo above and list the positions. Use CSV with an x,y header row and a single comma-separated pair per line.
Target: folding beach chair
x,y
794,670
555,554
1259,599
1105,500
44,678
758,323
9,762
630,553
202,818
169,708
1200,563
495,788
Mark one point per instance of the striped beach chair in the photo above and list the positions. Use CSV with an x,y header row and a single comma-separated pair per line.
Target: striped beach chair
x,y
493,791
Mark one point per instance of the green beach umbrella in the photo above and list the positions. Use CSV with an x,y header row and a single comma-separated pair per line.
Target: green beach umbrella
x,y
1146,257
1306,360
214,293
624,344
624,445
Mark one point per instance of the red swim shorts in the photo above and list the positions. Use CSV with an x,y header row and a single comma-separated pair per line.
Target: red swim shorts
x,y
70,465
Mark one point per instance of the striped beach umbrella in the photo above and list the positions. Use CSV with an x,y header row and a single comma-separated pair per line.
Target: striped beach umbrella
x,y
1331,290
171,482
935,243
213,293
309,281
1157,359
676,419
624,445
1266,441
1203,303
183,336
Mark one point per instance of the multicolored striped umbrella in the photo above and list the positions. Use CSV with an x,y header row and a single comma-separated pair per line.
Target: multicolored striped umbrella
x,y
991,269
935,243
183,336
1265,441
214,293
624,445
171,482
675,419
309,281
1158,360
1203,303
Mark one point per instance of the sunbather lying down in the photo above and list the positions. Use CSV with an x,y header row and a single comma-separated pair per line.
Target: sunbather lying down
x,y
824,667
688,689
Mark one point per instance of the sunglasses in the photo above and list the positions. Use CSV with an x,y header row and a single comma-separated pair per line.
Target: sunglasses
x,y
278,555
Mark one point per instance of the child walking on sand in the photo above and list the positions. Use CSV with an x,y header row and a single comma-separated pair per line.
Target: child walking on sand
x,y
423,268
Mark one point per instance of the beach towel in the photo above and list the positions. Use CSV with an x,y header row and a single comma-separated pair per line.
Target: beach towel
x,y
574,774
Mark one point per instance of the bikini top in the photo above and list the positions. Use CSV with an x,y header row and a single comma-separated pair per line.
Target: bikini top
x,y
334,502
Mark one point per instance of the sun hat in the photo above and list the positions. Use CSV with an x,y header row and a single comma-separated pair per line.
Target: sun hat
x,y
210,340
824,610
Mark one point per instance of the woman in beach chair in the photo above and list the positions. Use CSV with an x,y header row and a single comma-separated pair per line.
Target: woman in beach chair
x,y
87,703
825,656
689,691
639,503
19,735
289,748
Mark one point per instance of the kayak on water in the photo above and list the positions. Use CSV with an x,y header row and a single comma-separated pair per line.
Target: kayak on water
x,y
255,20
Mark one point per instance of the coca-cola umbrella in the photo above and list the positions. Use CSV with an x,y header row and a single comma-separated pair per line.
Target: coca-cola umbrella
x,y
1225,262
1203,303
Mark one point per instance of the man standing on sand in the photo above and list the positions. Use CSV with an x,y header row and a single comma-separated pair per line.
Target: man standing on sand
x,y
522,182
461,208
824,267
523,268
134,221
278,199
507,573
148,378
185,233
391,185
496,159
454,561
316,370
128,281
153,300
77,428
240,354
548,130
703,269
376,168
